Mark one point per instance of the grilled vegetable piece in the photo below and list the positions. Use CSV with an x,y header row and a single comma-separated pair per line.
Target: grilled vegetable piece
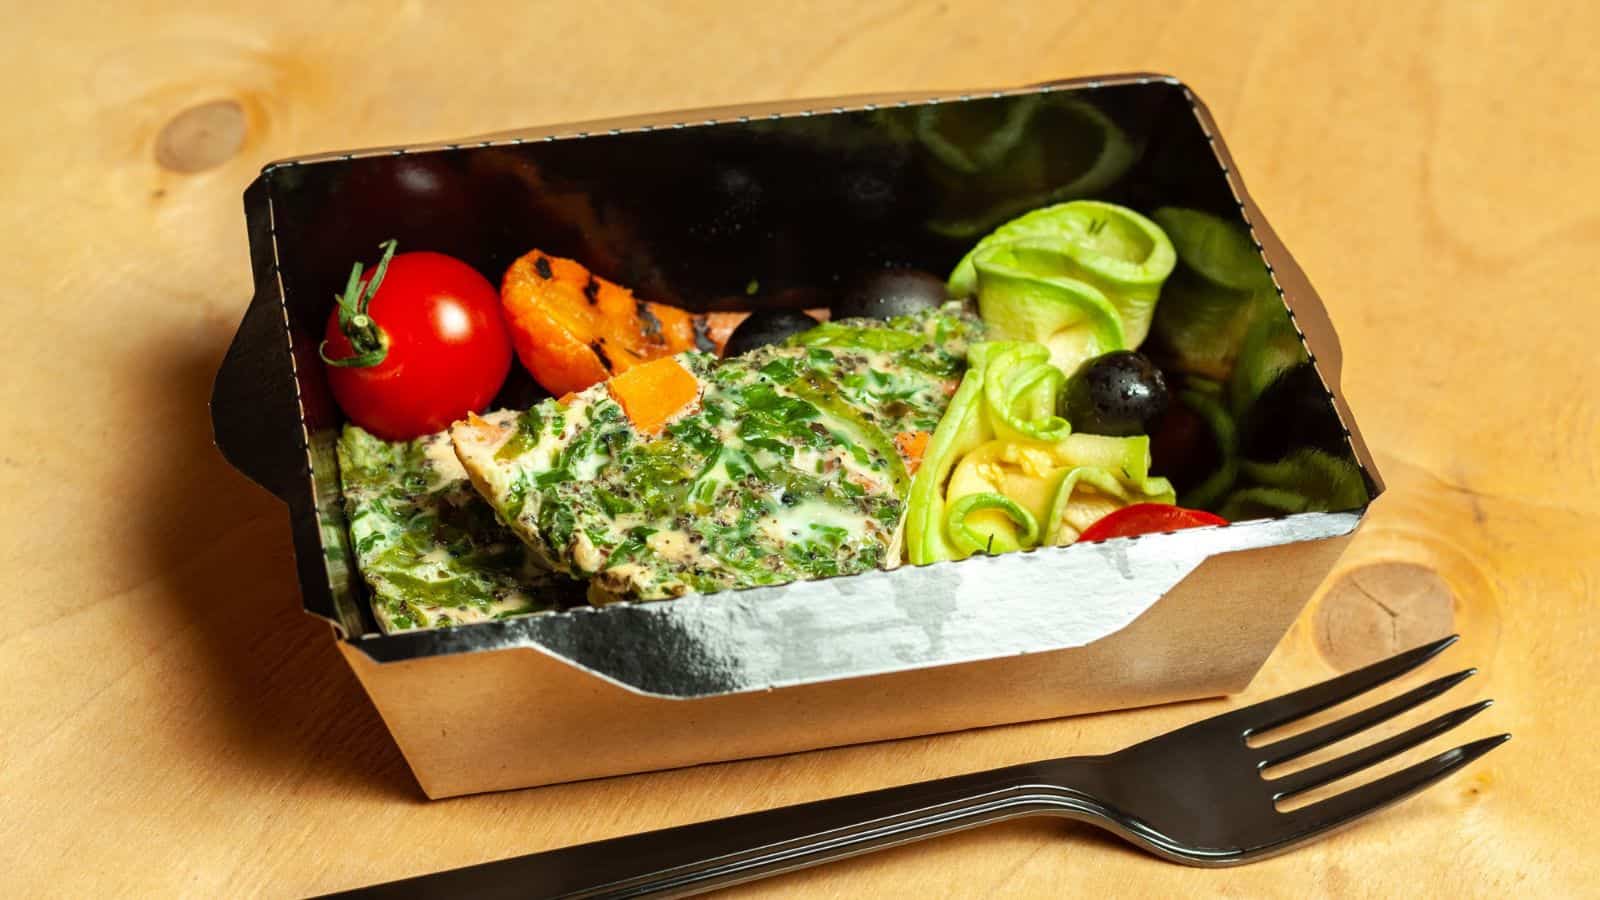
x,y
786,468
912,445
573,328
654,392
426,543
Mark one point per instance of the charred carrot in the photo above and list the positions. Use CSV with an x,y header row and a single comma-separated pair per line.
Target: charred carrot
x,y
573,328
654,392
911,444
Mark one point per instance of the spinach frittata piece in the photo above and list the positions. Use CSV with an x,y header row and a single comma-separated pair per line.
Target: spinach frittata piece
x,y
784,466
427,544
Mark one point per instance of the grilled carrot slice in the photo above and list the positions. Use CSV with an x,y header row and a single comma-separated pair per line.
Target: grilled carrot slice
x,y
912,445
573,328
654,392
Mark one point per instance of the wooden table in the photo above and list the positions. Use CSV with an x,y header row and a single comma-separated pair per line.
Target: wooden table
x,y
172,722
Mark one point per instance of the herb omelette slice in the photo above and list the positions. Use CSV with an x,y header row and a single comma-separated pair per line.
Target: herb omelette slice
x,y
782,466
426,543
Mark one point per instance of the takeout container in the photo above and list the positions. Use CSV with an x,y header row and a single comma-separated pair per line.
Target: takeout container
x,y
740,207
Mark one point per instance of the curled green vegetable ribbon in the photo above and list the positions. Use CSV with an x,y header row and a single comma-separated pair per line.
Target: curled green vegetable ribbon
x,y
1221,316
1259,502
973,156
1204,403
1020,386
1002,401
994,162
962,429
369,341
1082,278
1219,250
1306,480
1068,509
1071,318
1271,347
967,541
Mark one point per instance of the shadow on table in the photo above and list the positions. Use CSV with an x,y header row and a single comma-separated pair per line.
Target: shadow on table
x,y
280,693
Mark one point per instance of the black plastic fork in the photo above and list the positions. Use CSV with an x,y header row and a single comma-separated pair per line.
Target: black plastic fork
x,y
1194,796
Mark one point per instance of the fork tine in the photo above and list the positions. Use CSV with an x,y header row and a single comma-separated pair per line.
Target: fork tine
x,y
1318,697
1304,780
1351,805
1317,738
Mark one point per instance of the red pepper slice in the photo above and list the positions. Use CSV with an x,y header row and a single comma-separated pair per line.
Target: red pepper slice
x,y
1147,518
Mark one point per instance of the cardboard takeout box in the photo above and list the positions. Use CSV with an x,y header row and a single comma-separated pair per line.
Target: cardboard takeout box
x,y
740,207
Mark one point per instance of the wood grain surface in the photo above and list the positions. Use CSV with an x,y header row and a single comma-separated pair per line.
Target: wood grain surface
x,y
173,724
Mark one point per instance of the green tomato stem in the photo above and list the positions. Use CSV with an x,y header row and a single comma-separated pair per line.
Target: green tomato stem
x,y
368,340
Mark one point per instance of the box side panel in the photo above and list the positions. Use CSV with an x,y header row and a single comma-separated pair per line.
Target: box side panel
x,y
517,718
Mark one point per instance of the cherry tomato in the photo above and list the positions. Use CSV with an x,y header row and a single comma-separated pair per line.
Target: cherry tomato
x,y
415,344
1147,518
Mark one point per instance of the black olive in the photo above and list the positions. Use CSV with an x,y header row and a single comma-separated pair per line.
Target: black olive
x,y
1118,394
1294,411
767,326
890,292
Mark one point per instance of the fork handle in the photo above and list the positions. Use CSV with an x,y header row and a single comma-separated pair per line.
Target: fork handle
x,y
689,859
